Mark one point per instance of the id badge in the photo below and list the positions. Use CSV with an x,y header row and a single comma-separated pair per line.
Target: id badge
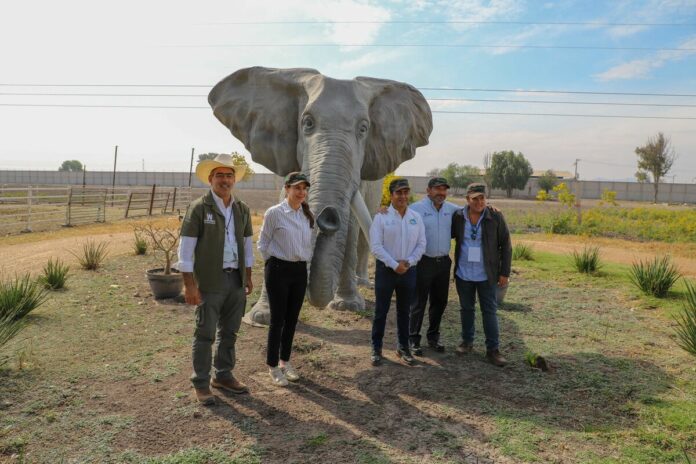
x,y
474,255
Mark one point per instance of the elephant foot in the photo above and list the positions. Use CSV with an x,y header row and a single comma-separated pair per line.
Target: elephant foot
x,y
352,303
365,282
259,316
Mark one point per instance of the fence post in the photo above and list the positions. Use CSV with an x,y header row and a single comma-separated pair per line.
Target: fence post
x,y
68,210
29,202
152,200
166,203
130,197
174,200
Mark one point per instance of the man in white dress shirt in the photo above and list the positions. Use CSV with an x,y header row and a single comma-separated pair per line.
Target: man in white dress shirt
x,y
397,239
216,257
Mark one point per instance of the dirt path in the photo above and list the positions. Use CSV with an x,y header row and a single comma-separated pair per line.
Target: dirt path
x,y
616,250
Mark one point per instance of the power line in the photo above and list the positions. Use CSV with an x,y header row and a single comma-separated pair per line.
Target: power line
x,y
442,45
453,89
429,99
435,111
527,23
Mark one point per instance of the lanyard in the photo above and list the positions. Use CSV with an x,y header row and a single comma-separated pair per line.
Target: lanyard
x,y
475,227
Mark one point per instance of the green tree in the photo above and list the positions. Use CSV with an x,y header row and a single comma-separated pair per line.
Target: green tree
x,y
71,166
656,157
459,176
509,171
641,177
238,158
547,180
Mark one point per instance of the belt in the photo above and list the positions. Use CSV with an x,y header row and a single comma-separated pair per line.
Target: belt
x,y
437,259
229,270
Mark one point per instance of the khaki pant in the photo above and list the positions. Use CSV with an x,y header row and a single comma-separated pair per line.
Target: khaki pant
x,y
218,318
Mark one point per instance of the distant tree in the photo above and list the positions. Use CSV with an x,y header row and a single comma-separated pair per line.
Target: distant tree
x,y
547,180
239,159
459,176
656,157
642,177
509,171
487,175
71,166
435,172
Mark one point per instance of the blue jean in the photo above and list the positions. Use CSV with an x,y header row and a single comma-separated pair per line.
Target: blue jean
x,y
386,283
467,291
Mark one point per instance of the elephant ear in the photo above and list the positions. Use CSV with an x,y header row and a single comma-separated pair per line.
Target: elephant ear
x,y
260,107
400,122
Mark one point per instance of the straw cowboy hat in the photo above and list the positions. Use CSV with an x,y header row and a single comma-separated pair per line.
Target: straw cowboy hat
x,y
223,160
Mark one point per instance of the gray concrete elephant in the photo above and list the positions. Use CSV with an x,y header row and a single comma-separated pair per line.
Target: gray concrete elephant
x,y
339,132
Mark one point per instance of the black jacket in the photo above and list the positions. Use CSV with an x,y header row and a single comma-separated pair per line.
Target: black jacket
x,y
495,238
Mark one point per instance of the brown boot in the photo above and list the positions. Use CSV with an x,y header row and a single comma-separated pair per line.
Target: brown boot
x,y
465,348
496,358
231,385
204,396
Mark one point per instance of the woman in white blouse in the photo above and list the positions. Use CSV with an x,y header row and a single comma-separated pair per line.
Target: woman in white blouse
x,y
285,241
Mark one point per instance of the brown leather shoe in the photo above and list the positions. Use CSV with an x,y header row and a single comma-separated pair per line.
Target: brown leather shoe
x,y
465,348
496,358
231,385
204,396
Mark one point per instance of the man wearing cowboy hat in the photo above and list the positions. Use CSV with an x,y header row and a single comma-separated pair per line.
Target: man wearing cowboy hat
x,y
215,257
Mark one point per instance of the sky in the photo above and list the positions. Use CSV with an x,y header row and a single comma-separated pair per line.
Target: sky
x,y
515,54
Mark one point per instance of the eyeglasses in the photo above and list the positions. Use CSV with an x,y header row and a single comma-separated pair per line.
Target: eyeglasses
x,y
224,175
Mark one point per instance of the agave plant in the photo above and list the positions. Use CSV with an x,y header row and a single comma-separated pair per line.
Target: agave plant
x,y
654,277
686,321
587,260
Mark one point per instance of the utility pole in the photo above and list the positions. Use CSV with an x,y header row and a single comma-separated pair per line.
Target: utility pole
x,y
191,167
143,164
84,173
576,168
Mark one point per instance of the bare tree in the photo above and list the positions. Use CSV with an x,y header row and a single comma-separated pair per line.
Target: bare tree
x,y
656,157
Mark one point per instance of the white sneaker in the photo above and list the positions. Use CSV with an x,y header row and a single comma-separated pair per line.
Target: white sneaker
x,y
290,372
278,377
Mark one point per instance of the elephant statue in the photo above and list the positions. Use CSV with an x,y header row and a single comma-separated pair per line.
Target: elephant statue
x,y
338,132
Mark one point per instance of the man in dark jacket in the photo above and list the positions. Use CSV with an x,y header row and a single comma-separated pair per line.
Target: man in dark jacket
x,y
482,257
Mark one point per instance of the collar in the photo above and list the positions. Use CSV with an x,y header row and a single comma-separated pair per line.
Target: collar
x,y
219,200
393,211
484,215
285,206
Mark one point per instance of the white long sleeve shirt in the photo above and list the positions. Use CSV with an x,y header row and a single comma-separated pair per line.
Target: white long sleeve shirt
x,y
187,245
285,234
394,238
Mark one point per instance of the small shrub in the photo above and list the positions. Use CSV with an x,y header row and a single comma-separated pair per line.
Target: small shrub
x,y
139,243
20,296
686,321
564,196
543,195
587,260
654,277
522,252
93,255
55,273
536,361
563,223
608,197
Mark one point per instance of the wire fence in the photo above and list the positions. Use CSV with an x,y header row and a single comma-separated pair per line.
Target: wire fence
x,y
34,208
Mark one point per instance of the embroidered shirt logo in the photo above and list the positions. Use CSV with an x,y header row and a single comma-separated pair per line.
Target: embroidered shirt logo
x,y
412,221
209,219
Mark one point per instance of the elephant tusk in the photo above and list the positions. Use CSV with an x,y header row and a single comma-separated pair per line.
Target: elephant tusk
x,y
361,213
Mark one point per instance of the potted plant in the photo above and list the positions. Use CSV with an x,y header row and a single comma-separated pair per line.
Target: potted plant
x,y
165,281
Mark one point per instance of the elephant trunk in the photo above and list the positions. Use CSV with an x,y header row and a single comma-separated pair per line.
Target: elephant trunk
x,y
330,198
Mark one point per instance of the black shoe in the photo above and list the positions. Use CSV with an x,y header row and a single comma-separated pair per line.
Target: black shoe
x,y
405,355
437,346
376,357
416,349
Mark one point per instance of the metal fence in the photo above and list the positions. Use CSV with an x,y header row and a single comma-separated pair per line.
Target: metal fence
x,y
33,208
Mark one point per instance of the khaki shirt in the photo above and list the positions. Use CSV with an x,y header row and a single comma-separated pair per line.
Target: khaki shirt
x,y
205,221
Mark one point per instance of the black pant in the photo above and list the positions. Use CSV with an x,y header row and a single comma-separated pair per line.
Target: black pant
x,y
286,283
432,282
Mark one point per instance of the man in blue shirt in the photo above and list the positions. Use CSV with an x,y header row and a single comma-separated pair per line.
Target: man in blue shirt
x,y
397,239
483,255
433,271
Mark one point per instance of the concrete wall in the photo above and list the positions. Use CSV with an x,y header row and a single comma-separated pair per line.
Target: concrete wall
x,y
669,193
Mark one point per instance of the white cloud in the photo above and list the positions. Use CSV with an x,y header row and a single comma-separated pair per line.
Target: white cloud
x,y
640,69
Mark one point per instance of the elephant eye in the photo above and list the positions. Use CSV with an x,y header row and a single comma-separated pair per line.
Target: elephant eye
x,y
307,123
363,127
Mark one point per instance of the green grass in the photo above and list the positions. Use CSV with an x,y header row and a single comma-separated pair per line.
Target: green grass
x,y
586,261
521,251
55,274
93,255
20,296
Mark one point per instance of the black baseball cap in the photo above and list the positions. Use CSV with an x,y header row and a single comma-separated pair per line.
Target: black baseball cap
x,y
398,184
437,181
476,189
295,178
